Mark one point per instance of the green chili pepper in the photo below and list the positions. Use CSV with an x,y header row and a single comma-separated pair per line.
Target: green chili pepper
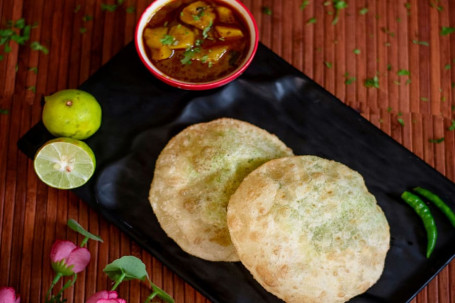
x,y
438,202
427,218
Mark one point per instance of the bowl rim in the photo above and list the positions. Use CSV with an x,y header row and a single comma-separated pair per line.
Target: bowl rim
x,y
194,85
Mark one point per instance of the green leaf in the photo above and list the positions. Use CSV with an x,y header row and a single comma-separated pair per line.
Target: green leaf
x,y
389,109
20,24
372,82
128,266
7,48
74,225
4,111
87,18
33,69
38,47
437,140
447,30
363,11
403,72
167,40
311,21
328,64
452,127
205,32
401,121
356,51
161,293
424,43
304,4
32,88
267,10
424,99
108,7
447,66
77,8
389,66
130,9
83,30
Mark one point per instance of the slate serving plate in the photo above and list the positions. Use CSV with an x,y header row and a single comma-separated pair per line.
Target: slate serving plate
x,y
140,115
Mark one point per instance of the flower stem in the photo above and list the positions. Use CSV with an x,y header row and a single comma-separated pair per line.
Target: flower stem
x,y
67,284
56,279
117,283
150,298
84,242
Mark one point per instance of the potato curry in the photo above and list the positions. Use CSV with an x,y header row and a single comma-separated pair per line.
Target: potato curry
x,y
196,41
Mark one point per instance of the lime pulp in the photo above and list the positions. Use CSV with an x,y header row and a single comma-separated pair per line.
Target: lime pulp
x,y
65,163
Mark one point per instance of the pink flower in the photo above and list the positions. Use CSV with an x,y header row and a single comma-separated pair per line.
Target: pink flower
x,y
69,259
105,296
8,295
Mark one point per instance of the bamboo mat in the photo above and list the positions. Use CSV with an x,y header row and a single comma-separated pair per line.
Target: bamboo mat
x,y
399,42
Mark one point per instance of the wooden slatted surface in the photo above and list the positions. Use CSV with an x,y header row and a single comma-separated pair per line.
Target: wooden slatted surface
x,y
392,35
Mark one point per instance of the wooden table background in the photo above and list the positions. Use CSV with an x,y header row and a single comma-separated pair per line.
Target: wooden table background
x,y
390,36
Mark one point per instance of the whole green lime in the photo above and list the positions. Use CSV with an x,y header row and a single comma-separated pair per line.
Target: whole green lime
x,y
71,113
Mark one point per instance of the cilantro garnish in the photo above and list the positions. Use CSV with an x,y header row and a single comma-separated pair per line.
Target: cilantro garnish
x,y
349,79
424,43
403,72
311,21
452,127
339,5
204,58
189,54
363,11
401,121
267,10
372,82
437,140
447,30
424,99
167,40
448,66
130,9
356,51
4,111
205,32
38,47
304,4
328,64
111,7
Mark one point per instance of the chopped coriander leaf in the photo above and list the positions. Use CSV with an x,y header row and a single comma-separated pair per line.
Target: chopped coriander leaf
x,y
33,69
356,51
1,57
447,30
363,11
4,111
210,64
87,18
204,58
339,5
437,140
398,20
401,121
407,5
453,84
447,66
327,3
452,127
397,82
167,40
403,72
389,67
389,109
20,24
205,32
130,9
372,82
424,99
38,47
408,82
267,10
443,98
349,79
32,88
388,32
424,43
108,7
189,54
77,8
7,48
328,64
82,30
311,20
304,4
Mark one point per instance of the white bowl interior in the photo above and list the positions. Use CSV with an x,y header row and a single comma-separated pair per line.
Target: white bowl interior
x,y
157,4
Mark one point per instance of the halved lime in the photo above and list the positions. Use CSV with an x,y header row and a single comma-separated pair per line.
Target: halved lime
x,y
65,163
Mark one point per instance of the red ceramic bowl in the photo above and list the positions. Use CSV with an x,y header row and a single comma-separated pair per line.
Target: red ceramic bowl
x,y
140,47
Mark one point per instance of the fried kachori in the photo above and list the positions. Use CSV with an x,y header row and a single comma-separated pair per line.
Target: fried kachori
x,y
308,230
195,175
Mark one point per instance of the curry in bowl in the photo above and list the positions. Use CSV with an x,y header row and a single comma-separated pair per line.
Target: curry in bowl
x,y
197,41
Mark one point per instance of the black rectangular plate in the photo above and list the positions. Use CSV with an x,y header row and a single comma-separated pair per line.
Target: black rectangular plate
x,y
140,115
